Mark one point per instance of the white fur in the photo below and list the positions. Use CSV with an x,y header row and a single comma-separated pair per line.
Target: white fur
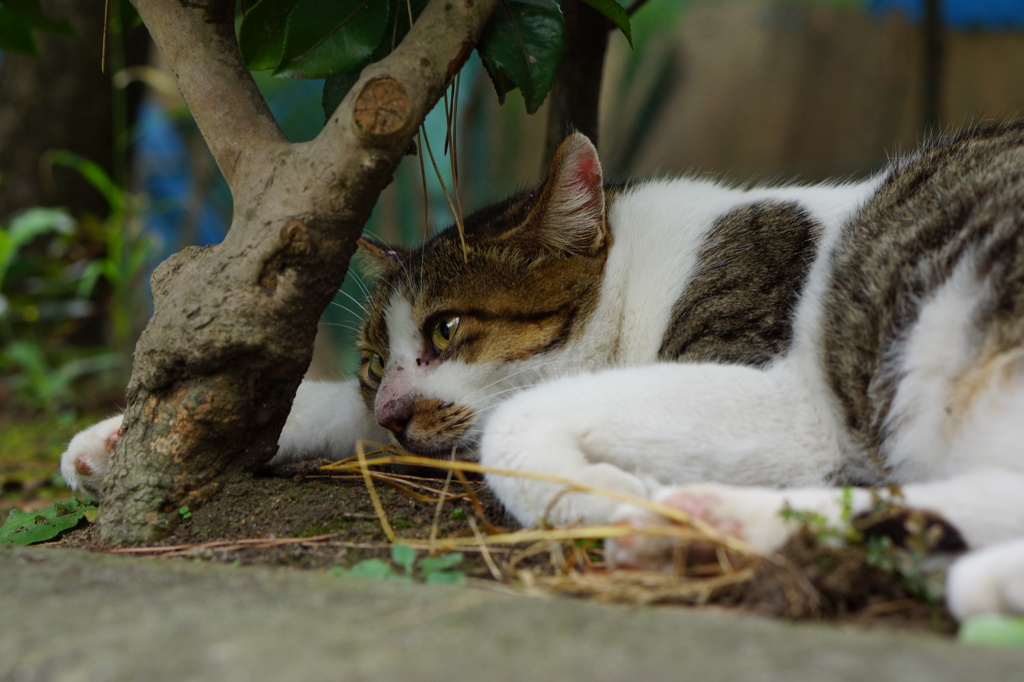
x,y
988,581
327,419
88,450
660,424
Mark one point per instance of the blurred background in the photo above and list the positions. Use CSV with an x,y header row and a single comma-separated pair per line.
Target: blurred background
x,y
103,173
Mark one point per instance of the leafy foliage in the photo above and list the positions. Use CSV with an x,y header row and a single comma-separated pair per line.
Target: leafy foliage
x,y
312,39
25,227
437,569
520,47
26,528
19,19
50,267
905,563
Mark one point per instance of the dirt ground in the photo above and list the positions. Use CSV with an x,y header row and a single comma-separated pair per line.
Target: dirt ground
x,y
304,518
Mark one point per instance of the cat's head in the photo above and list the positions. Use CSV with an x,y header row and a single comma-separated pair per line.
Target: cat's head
x,y
455,327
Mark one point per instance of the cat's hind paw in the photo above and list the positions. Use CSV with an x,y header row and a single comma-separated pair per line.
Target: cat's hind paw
x,y
750,514
988,581
84,464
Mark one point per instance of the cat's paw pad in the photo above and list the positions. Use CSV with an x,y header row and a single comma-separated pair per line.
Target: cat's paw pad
x,y
989,581
84,464
750,514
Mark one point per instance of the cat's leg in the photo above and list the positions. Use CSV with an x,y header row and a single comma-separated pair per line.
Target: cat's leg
x,y
988,581
983,506
84,463
326,419
632,430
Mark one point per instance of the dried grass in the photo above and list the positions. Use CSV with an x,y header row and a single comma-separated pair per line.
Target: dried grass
x,y
574,561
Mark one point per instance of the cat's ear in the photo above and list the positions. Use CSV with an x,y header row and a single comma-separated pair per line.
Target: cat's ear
x,y
570,213
379,257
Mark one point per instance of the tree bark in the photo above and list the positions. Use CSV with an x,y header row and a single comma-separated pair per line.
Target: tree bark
x,y
576,92
217,366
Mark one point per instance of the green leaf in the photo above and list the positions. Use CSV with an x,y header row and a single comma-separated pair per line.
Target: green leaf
x,y
90,275
28,225
446,578
616,14
404,556
25,528
33,222
261,34
94,174
992,630
521,47
324,38
436,564
337,85
377,569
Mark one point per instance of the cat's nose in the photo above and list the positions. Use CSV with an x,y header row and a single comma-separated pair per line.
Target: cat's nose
x,y
394,415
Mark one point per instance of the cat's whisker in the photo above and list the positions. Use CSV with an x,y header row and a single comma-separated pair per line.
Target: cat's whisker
x,y
351,327
522,370
470,403
360,283
510,375
348,310
354,300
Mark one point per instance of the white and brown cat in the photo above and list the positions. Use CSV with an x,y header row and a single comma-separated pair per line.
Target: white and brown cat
x,y
727,351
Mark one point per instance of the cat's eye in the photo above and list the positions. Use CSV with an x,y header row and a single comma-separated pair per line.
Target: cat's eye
x,y
375,366
444,332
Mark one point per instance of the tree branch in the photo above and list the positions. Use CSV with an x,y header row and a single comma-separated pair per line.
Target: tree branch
x,y
217,366
197,39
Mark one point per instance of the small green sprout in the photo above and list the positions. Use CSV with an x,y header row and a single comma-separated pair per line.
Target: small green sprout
x,y
437,569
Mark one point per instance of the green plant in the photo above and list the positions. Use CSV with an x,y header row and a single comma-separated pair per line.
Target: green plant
x,y
520,48
126,251
25,227
904,563
439,569
50,266
45,256
26,528
185,512
993,630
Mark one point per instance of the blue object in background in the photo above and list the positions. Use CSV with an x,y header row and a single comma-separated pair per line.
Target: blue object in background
x,y
161,157
963,15
162,161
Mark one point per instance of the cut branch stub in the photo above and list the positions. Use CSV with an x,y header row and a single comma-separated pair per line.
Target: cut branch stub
x,y
382,108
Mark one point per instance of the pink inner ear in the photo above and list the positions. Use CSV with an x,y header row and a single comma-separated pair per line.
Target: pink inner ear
x,y
586,172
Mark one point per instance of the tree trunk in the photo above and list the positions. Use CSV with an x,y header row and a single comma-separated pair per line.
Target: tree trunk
x,y
576,92
232,331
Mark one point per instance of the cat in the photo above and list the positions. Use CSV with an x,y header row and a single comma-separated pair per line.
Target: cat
x,y
728,351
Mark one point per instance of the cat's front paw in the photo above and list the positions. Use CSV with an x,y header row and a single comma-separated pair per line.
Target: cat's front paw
x,y
750,514
989,581
84,464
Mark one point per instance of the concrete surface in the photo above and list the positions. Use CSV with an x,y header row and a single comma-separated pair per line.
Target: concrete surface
x,y
72,615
